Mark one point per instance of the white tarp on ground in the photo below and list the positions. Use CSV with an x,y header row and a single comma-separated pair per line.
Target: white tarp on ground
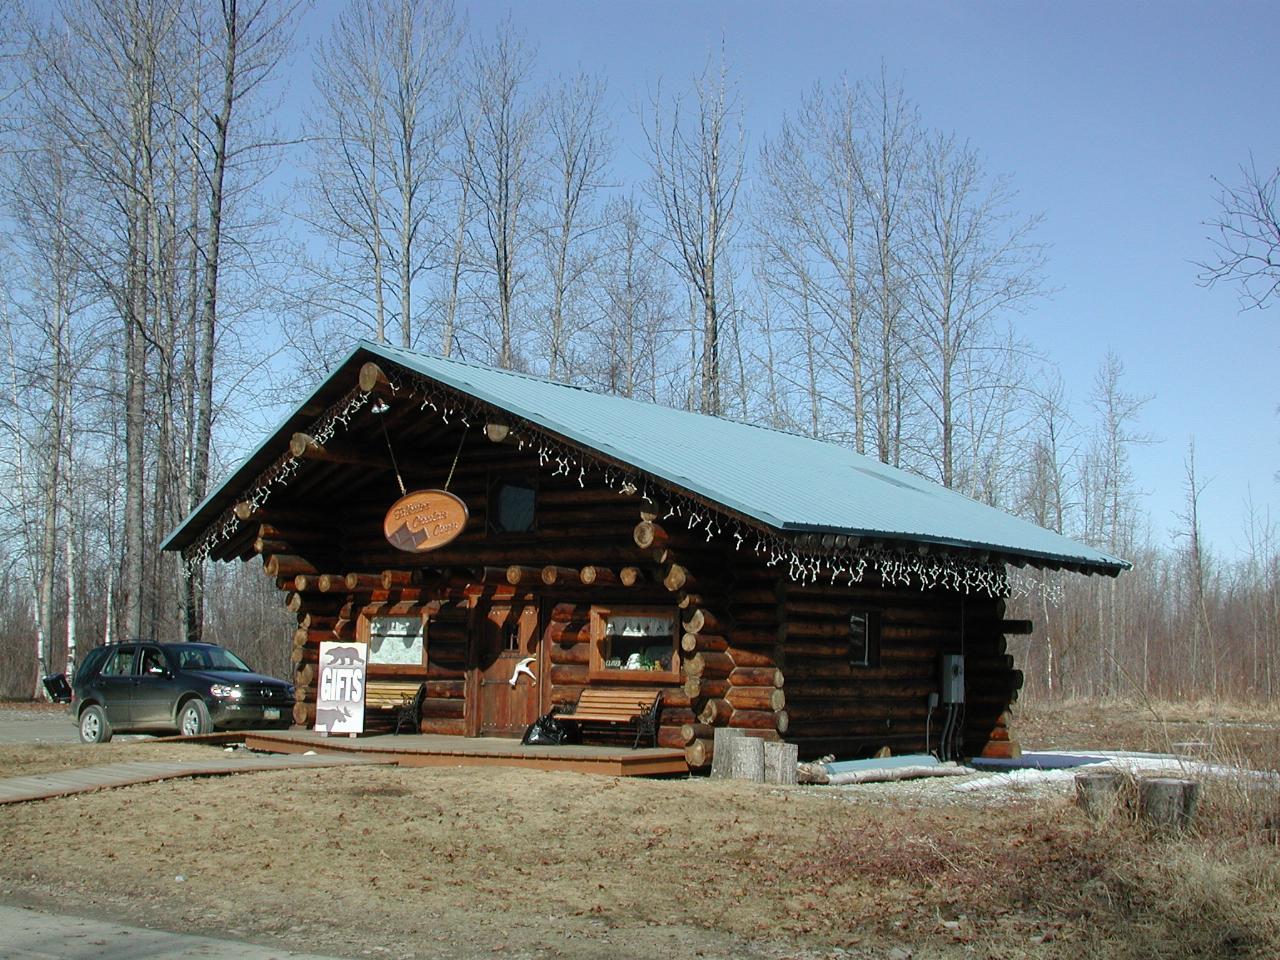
x,y
1144,764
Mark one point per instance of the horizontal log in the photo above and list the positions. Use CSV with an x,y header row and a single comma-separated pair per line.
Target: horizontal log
x,y
742,657
756,677
552,575
571,653
372,379
648,535
695,687
630,576
365,582
877,710
446,689
568,634
288,565
698,753
435,707
444,726
566,612
399,578
779,720
703,642
568,673
677,578
316,621
709,664
597,576
756,698
696,731
669,737
518,575
445,670
715,712
702,620
918,690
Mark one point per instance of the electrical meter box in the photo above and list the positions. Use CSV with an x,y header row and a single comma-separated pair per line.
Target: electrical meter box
x,y
952,678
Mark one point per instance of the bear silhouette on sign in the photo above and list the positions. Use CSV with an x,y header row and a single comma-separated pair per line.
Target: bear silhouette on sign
x,y
344,657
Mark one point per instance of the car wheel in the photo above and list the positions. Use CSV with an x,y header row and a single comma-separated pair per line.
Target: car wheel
x,y
94,726
194,719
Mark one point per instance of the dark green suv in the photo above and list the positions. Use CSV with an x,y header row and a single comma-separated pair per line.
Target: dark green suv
x,y
192,688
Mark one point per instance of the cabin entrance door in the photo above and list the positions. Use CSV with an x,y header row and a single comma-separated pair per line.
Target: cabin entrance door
x,y
510,669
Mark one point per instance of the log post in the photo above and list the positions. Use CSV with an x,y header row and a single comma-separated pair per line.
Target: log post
x,y
722,740
780,763
1167,803
1098,792
746,759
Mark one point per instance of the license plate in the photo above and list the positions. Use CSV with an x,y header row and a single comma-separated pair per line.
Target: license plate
x,y
270,713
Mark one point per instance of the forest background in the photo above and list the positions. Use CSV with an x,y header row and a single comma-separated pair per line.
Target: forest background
x,y
191,235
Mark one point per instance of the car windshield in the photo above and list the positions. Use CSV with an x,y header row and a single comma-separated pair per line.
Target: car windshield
x,y
210,658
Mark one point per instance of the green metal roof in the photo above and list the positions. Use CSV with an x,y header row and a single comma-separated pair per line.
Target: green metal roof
x,y
784,481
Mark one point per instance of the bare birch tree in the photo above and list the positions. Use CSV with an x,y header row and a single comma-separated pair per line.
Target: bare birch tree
x,y
579,151
696,166
972,262
501,134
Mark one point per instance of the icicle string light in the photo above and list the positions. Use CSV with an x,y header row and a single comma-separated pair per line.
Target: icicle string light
x,y
847,565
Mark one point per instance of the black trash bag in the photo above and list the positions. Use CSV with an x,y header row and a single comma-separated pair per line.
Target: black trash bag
x,y
547,731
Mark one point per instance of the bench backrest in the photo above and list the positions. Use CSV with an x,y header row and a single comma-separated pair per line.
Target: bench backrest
x,y
625,703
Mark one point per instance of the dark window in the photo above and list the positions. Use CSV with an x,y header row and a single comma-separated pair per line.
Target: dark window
x,y
511,506
864,638
120,663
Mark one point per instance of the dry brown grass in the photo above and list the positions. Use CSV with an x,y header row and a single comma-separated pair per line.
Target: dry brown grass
x,y
470,863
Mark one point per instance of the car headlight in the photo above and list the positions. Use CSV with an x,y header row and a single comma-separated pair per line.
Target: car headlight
x,y
224,691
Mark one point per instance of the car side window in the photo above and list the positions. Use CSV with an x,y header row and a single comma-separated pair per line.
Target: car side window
x,y
120,663
153,664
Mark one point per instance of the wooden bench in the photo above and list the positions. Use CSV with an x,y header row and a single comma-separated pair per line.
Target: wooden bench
x,y
619,706
402,697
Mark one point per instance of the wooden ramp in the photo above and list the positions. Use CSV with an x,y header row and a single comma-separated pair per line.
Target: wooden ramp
x,y
428,750
66,782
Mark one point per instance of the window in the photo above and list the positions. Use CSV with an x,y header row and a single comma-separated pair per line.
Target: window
x,y
120,663
153,664
511,506
631,643
864,638
393,640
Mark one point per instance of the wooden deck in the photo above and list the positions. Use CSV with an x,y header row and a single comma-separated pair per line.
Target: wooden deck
x,y
426,750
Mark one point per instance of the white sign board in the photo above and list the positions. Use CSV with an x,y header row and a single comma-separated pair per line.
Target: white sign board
x,y
340,693
396,640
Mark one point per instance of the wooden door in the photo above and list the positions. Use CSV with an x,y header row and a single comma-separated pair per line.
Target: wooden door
x,y
510,669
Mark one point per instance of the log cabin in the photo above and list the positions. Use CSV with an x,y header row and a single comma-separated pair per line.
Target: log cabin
x,y
465,521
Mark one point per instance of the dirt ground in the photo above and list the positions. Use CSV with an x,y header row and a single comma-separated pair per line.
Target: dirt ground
x,y
464,863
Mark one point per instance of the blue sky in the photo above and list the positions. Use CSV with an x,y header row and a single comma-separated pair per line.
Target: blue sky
x,y
1109,118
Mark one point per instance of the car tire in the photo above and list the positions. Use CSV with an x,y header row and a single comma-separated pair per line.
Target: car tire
x,y
194,719
94,726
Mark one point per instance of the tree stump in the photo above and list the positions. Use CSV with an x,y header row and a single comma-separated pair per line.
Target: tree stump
x,y
721,749
746,759
1098,792
780,762
1167,803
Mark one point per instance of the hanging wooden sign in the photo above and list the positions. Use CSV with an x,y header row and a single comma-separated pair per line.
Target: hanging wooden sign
x,y
424,520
